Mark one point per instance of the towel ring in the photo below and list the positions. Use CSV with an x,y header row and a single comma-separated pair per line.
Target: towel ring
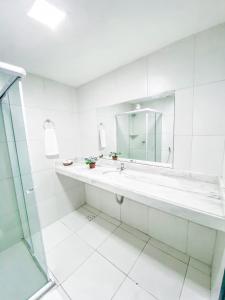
x,y
48,123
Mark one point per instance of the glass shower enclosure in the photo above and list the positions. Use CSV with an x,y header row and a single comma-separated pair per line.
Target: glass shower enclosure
x,y
139,134
23,270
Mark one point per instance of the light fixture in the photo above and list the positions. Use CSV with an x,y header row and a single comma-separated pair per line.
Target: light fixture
x,y
46,13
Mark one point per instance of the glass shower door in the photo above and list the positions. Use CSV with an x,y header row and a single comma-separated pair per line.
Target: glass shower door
x,y
23,268
137,135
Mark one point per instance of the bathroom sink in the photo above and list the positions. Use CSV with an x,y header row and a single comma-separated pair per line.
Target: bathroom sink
x,y
110,171
117,175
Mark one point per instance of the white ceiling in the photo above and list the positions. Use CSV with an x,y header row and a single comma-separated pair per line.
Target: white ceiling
x,y
98,36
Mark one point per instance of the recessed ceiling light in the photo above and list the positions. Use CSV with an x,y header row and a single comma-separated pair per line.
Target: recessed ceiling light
x,y
46,13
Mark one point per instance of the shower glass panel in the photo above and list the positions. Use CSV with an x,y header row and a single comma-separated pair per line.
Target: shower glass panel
x,y
123,140
23,269
139,135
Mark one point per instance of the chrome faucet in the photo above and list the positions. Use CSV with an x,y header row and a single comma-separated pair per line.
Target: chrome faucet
x,y
122,167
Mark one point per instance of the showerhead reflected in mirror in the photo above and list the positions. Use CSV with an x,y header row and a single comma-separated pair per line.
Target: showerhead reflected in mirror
x,y
140,130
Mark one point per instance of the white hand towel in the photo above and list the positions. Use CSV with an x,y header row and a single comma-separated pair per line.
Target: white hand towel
x,y
51,144
102,136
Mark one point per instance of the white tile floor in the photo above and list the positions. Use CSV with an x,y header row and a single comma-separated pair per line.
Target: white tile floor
x,y
95,257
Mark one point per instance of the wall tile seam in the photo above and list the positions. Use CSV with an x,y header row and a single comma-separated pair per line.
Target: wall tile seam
x,y
47,109
214,247
194,86
194,66
209,83
146,56
202,135
187,232
59,136
55,195
213,258
178,89
37,172
187,238
89,109
223,160
147,76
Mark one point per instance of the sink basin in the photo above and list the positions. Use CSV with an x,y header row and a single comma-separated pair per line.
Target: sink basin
x,y
111,171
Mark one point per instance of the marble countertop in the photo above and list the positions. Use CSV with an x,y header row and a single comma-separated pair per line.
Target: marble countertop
x,y
198,200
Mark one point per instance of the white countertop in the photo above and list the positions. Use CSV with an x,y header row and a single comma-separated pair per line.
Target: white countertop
x,y
190,198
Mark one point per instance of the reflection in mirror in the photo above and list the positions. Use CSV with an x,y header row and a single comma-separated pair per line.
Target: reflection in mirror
x,y
139,130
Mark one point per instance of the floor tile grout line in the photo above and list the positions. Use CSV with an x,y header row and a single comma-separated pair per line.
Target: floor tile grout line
x,y
173,256
117,290
129,271
149,238
65,291
97,250
101,212
57,285
185,275
111,233
132,267
63,240
141,287
133,233
137,258
108,260
94,251
78,267
97,213
119,226
127,275
100,216
198,269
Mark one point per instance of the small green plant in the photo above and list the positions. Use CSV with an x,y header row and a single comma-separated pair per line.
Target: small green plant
x,y
114,155
90,160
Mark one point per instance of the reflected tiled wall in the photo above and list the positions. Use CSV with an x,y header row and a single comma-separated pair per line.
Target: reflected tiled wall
x,y
195,68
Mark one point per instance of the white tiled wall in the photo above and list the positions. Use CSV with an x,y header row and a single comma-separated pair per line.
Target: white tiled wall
x,y
135,215
46,99
194,68
172,67
209,55
195,240
169,229
102,200
201,242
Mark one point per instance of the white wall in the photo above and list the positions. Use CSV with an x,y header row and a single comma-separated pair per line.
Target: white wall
x,y
46,99
195,69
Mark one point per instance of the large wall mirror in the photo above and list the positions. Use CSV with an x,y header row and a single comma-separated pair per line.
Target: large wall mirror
x,y
140,130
